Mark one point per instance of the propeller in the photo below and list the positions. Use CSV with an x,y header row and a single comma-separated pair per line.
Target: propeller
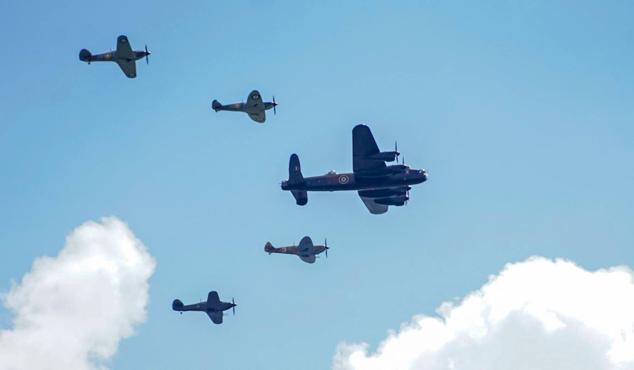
x,y
326,245
274,105
396,150
147,54
234,306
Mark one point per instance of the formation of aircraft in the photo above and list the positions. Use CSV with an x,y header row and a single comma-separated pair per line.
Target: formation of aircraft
x,y
254,107
124,56
306,250
213,307
378,184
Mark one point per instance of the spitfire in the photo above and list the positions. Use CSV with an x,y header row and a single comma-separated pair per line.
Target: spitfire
x,y
213,307
378,184
124,56
254,107
306,251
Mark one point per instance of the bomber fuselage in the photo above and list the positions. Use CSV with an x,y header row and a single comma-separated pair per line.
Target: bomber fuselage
x,y
349,181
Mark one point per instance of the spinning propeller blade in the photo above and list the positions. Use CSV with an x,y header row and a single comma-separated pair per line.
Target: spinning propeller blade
x,y
326,245
147,55
274,105
396,151
234,306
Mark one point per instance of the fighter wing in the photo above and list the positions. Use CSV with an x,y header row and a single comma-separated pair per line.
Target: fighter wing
x,y
308,259
212,299
128,68
305,245
363,147
373,207
255,100
259,117
216,317
124,50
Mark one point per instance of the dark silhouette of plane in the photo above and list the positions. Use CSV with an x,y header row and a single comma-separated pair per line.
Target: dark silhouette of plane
x,y
306,251
378,184
254,106
213,307
124,56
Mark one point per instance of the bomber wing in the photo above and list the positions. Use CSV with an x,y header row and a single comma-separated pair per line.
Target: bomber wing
x,y
363,147
216,317
373,207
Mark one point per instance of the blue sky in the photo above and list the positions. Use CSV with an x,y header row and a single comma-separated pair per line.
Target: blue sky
x,y
520,110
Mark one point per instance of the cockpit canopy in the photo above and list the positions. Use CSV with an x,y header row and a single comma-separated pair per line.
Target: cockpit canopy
x,y
331,172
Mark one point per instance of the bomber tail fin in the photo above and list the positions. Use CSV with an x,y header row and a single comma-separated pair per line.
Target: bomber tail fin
x,y
215,105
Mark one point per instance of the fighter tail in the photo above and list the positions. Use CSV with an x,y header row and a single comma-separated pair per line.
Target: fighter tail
x,y
295,178
177,305
215,105
85,56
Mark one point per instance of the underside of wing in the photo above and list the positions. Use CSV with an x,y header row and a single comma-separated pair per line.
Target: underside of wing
x,y
216,317
212,299
128,68
255,100
308,259
259,117
305,244
363,147
124,50
374,207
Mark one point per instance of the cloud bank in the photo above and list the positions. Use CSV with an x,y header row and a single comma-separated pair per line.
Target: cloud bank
x,y
535,315
71,311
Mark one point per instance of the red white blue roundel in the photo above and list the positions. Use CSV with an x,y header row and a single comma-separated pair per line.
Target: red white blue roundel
x,y
343,179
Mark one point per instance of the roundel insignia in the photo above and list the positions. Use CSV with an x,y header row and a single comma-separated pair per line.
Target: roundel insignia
x,y
343,179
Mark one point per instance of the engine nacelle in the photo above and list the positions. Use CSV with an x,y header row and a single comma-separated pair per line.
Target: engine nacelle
x,y
385,156
392,201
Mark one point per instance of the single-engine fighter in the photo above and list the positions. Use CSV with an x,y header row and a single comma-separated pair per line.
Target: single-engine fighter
x,y
124,56
378,184
306,251
213,307
254,106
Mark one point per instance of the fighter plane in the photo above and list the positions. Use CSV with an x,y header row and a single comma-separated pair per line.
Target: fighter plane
x,y
306,251
213,307
124,56
378,184
254,106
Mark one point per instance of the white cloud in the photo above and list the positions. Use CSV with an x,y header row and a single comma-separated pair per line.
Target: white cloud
x,y
535,315
71,311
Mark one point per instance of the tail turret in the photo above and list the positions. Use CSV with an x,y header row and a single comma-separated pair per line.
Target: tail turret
x,y
268,248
